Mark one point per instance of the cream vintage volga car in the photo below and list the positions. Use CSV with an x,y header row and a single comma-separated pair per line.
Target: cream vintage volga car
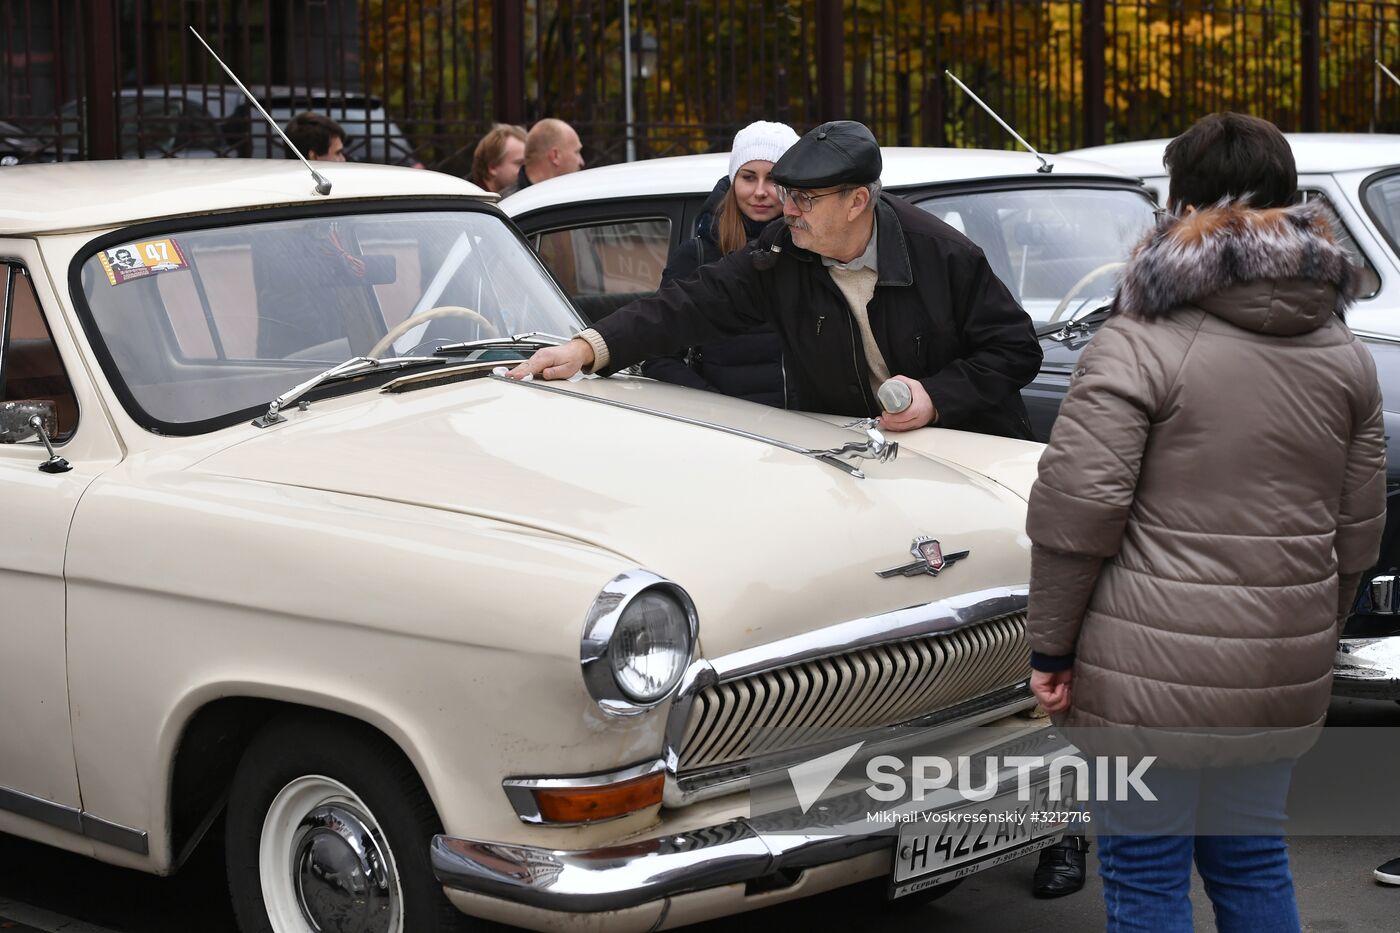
x,y
284,554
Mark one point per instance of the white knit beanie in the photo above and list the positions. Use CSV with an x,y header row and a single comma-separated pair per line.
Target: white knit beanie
x,y
760,140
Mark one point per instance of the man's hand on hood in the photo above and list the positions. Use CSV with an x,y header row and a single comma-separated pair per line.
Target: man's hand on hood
x,y
556,362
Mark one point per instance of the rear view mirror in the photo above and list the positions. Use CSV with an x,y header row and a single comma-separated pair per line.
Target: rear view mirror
x,y
15,420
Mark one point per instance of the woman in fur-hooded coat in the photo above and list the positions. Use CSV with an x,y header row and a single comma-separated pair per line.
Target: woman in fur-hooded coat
x,y
1212,490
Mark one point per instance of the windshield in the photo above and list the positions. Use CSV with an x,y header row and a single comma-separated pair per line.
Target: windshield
x,y
1056,248
203,325
1382,197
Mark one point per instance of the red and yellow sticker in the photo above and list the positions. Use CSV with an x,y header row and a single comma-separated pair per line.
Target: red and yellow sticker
x,y
138,260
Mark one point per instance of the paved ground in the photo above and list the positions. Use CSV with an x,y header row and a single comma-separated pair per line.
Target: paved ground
x,y
46,890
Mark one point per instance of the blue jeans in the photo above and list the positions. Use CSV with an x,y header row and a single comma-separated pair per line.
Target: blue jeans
x,y
1146,850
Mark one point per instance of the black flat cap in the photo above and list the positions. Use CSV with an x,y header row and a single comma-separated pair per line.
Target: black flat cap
x,y
841,152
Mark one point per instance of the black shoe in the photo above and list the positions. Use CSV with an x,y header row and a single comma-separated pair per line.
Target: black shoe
x,y
1061,868
1389,873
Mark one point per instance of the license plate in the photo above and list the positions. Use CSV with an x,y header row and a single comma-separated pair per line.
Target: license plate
x,y
942,846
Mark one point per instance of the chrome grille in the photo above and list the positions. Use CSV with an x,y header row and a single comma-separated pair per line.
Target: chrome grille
x,y
883,685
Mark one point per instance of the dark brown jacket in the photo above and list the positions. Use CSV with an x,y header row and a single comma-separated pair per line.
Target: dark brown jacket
x,y
1212,488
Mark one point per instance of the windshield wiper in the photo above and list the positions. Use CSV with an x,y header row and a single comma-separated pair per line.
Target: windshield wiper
x,y
352,367
534,338
1076,327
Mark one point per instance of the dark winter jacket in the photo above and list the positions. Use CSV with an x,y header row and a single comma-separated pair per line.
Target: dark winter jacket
x,y
1213,487
939,315
748,366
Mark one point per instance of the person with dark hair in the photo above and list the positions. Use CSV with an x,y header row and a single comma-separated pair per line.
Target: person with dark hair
x,y
317,137
748,366
861,288
1228,156
498,158
1182,608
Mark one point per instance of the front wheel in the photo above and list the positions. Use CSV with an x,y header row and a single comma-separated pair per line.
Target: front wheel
x,y
329,830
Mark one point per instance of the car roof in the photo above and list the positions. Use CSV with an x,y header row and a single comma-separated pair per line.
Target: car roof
x,y
1314,153
69,196
904,167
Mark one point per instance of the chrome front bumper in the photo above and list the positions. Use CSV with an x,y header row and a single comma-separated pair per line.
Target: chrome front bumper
x,y
1367,668
624,876
766,852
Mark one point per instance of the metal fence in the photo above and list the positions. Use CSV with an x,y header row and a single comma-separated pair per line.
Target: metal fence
x,y
421,80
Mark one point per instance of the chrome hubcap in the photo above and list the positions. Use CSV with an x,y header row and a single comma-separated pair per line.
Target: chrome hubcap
x,y
325,865
341,882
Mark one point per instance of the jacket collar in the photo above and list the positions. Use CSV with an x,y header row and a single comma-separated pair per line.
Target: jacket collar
x,y
1215,255
891,248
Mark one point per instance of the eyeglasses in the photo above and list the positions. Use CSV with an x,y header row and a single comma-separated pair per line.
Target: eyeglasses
x,y
804,201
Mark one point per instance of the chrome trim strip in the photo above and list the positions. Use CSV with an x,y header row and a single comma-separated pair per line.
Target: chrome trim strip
x,y
642,871
520,790
74,821
874,448
115,834
940,616
945,615
598,627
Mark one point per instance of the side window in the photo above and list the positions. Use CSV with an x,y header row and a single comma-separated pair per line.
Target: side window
x,y
30,367
621,258
1368,281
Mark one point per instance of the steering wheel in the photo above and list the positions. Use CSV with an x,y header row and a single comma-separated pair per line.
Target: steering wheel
x,y
408,323
1080,286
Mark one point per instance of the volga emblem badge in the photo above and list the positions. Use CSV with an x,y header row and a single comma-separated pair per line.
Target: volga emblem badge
x,y
928,559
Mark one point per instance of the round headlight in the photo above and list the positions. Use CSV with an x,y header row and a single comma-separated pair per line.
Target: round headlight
x,y
650,647
638,642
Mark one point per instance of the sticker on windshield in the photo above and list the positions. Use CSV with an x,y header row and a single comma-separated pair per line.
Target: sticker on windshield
x,y
138,260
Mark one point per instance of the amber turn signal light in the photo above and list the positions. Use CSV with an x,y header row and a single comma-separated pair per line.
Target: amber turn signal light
x,y
587,804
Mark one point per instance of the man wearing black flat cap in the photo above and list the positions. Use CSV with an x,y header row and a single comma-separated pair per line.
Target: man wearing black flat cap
x,y
860,287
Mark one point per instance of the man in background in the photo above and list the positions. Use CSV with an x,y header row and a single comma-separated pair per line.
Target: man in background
x,y
317,137
551,148
498,158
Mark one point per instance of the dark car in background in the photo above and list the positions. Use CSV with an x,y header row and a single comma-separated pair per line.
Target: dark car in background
x,y
371,136
211,121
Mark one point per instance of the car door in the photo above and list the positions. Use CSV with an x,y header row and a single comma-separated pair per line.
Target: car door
x,y
606,255
38,779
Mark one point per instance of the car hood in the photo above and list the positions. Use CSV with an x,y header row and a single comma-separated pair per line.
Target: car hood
x,y
766,541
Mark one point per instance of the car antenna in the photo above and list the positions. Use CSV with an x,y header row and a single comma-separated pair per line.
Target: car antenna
x,y
1388,73
323,186
1045,166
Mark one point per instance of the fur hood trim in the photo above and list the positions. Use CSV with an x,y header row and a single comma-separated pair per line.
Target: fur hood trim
x,y
1186,259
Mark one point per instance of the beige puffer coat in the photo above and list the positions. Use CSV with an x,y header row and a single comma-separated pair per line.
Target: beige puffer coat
x,y
1213,486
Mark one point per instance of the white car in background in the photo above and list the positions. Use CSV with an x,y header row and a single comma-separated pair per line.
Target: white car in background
x,y
1056,239
1356,175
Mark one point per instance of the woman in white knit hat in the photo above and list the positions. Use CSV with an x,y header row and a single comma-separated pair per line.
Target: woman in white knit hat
x,y
742,203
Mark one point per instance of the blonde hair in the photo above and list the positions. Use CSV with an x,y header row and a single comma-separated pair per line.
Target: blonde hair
x,y
492,149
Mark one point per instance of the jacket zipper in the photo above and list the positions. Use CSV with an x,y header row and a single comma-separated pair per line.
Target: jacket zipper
x,y
861,380
820,319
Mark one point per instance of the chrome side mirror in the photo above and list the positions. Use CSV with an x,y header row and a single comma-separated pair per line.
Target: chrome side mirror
x,y
15,419
19,421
